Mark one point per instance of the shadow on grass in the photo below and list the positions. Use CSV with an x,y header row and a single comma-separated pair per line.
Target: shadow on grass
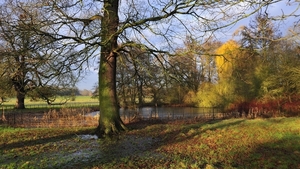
x,y
198,129
137,148
42,140
139,151
282,153
141,124
133,147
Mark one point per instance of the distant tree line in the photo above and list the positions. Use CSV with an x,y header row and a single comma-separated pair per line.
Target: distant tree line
x,y
259,66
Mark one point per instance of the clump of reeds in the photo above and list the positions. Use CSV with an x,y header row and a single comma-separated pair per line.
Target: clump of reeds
x,y
68,117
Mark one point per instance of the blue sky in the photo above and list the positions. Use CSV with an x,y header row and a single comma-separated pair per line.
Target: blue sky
x,y
89,80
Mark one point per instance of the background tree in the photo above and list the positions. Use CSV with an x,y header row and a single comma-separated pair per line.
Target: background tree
x,y
227,54
191,66
95,93
283,83
235,67
207,61
32,61
85,92
140,78
131,75
222,92
6,90
209,76
263,38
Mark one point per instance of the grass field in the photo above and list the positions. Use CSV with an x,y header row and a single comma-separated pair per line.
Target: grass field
x,y
79,100
233,143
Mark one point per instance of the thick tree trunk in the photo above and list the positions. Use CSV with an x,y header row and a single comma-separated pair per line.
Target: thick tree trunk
x,y
109,122
20,104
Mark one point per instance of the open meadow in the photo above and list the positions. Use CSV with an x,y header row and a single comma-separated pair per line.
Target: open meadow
x,y
232,143
77,102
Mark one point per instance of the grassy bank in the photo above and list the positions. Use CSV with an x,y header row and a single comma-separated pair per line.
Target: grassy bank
x,y
234,143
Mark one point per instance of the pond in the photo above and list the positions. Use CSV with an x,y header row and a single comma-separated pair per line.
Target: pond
x,y
167,113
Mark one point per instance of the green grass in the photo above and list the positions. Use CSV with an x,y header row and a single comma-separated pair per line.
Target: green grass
x,y
79,101
233,143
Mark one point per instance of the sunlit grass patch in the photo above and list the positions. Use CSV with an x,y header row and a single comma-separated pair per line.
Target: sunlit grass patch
x,y
237,142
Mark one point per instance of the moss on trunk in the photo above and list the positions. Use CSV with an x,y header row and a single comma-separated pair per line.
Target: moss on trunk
x,y
110,122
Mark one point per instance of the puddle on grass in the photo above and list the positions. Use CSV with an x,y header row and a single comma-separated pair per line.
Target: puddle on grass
x,y
84,149
88,137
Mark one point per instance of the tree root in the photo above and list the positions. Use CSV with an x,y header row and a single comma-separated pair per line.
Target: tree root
x,y
110,129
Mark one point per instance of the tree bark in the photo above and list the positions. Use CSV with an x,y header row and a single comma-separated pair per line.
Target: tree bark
x,y
20,104
110,122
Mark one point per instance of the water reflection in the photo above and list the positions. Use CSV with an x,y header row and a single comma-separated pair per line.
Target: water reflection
x,y
167,113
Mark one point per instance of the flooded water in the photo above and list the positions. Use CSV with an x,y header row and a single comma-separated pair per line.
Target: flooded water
x,y
167,113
